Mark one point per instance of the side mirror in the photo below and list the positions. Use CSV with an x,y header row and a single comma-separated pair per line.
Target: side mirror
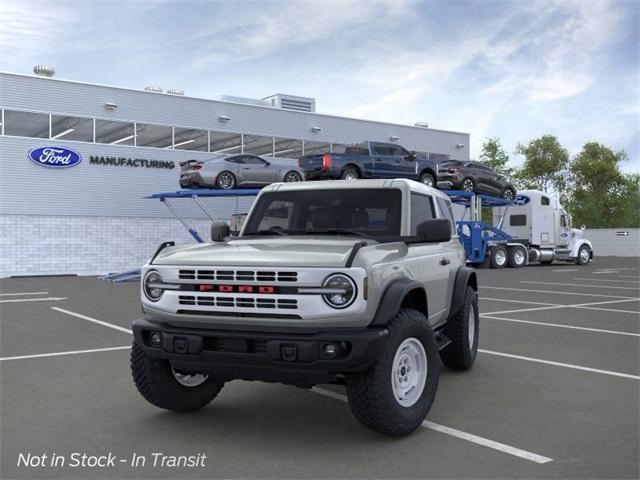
x,y
219,231
412,156
436,230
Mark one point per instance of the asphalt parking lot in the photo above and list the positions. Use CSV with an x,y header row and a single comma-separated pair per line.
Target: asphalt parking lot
x,y
554,392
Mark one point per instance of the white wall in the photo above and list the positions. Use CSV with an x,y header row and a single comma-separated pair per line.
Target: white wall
x,y
607,242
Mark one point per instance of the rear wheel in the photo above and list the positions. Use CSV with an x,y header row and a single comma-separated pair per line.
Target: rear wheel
x,y
509,194
468,185
350,173
293,176
428,179
517,257
167,388
498,256
395,394
462,330
226,180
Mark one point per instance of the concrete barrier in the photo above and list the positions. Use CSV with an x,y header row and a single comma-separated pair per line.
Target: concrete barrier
x,y
614,242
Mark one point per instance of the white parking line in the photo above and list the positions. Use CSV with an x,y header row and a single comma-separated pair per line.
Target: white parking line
x,y
628,276
559,325
20,300
560,364
469,437
581,285
604,280
23,293
517,301
567,270
93,320
59,354
588,306
530,290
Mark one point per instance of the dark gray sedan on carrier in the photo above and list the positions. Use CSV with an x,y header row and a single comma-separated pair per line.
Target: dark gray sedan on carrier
x,y
234,171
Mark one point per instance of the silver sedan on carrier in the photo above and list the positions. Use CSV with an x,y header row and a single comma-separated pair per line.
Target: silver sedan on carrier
x,y
242,170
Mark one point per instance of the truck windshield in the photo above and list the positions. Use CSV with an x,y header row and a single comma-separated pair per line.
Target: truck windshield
x,y
358,212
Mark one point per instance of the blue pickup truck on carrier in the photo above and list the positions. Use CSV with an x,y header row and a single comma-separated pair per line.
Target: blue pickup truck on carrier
x,y
370,160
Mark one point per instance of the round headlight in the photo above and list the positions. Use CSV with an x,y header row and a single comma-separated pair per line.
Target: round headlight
x,y
340,291
151,286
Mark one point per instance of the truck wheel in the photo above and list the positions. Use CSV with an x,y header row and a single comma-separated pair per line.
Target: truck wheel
x,y
395,394
462,330
163,387
584,255
350,173
517,257
498,256
427,179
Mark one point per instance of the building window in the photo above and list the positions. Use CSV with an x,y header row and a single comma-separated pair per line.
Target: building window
x,y
315,148
190,139
287,148
225,142
114,133
26,124
157,136
258,145
71,128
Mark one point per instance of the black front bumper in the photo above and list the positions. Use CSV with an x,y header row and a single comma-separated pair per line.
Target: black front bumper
x,y
286,357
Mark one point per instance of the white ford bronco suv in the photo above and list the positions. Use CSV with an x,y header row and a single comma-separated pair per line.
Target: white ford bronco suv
x,y
351,282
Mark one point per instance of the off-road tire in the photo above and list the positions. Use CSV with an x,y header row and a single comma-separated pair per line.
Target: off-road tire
x,y
350,171
370,393
512,262
156,383
495,256
460,353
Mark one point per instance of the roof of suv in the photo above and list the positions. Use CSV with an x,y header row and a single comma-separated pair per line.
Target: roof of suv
x,y
402,183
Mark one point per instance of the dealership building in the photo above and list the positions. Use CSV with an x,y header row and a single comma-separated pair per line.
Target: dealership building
x,y
92,217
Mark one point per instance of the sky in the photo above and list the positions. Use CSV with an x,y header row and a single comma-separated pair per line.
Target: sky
x,y
509,69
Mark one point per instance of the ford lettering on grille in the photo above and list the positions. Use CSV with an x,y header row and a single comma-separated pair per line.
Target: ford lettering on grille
x,y
237,288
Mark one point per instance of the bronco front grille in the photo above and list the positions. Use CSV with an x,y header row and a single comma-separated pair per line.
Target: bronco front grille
x,y
238,302
238,275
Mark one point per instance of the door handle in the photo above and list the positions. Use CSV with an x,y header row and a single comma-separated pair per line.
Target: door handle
x,y
445,261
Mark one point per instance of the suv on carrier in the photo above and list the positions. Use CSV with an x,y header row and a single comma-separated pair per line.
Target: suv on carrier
x,y
357,283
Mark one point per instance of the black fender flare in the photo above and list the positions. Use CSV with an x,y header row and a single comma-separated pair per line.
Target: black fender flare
x,y
465,276
392,299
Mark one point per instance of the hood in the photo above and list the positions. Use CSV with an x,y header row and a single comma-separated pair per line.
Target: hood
x,y
260,251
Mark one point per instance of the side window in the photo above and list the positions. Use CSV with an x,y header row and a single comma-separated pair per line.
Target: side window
x,y
563,220
252,160
234,160
447,212
398,151
421,210
518,220
544,201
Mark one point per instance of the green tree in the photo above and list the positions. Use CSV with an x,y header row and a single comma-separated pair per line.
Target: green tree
x,y
600,195
545,164
494,156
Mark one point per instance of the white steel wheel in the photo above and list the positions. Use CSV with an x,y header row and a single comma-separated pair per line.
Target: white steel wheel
x,y
472,326
292,176
189,379
427,179
350,175
409,372
500,256
584,255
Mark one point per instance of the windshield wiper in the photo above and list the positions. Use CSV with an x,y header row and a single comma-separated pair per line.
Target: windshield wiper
x,y
266,232
338,231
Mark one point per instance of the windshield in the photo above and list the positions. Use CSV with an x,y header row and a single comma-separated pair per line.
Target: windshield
x,y
370,212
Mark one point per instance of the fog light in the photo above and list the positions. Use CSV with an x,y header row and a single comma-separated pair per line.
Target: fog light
x,y
330,350
155,340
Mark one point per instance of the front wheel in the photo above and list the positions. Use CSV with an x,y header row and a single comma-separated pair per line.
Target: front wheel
x,y
395,394
167,388
428,179
292,176
584,255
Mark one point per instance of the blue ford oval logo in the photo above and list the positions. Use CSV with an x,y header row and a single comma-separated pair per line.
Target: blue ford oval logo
x,y
521,200
55,157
